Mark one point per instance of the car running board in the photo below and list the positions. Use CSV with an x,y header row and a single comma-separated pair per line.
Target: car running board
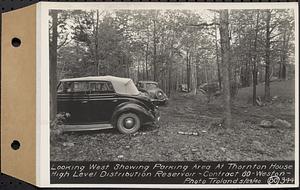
x,y
87,127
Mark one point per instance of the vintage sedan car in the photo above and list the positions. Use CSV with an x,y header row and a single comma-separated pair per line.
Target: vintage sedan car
x,y
183,88
151,88
210,87
102,102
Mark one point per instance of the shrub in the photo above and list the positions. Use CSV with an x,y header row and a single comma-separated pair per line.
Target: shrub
x,y
56,127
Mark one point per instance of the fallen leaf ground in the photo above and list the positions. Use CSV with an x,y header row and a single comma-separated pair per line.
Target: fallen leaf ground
x,y
244,140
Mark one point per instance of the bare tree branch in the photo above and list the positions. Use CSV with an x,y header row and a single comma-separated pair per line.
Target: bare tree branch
x,y
64,42
203,24
271,37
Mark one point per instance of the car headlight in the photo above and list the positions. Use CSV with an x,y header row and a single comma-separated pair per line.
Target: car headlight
x,y
160,95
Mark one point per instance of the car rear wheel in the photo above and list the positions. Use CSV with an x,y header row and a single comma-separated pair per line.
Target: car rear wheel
x,y
128,123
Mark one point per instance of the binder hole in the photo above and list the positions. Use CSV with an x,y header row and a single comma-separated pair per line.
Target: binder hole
x,y
16,42
15,145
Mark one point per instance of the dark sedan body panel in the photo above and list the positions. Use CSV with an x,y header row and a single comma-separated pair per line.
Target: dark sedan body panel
x,y
102,106
97,108
136,108
76,105
89,107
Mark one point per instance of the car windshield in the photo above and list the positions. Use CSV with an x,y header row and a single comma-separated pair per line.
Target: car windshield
x,y
150,85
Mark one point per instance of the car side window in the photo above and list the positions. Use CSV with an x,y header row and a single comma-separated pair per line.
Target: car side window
x,y
60,87
80,87
140,85
67,87
101,87
110,87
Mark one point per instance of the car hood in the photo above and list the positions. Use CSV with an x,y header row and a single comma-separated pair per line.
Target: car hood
x,y
146,100
154,90
143,98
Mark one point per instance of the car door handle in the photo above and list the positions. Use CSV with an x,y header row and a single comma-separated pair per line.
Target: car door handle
x,y
114,100
84,102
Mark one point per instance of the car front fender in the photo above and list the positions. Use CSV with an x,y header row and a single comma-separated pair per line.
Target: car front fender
x,y
143,113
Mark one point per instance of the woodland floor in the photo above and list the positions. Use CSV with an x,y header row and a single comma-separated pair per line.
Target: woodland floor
x,y
244,140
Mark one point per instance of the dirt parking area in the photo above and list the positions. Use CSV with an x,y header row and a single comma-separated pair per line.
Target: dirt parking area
x,y
191,129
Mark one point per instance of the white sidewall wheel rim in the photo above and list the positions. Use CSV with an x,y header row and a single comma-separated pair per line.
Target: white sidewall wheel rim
x,y
123,117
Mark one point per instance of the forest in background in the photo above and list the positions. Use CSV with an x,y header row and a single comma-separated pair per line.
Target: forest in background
x,y
174,47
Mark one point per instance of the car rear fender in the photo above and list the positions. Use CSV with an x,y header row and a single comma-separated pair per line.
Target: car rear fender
x,y
143,113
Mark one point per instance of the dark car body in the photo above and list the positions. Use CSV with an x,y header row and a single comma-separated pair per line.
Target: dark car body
x,y
151,88
93,103
183,88
210,87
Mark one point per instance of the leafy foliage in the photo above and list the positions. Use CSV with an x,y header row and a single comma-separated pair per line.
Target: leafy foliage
x,y
181,46
56,127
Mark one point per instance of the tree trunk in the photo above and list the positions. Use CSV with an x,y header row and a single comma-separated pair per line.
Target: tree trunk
x,y
225,49
283,71
96,40
182,75
127,66
248,71
169,81
254,71
205,71
53,65
154,52
284,52
170,65
146,61
138,73
217,58
194,78
267,70
143,71
188,71
254,61
280,68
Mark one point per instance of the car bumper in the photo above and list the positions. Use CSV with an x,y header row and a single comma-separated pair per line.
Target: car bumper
x,y
159,102
155,117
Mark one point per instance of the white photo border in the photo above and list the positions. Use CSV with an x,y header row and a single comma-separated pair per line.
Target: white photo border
x,y
42,83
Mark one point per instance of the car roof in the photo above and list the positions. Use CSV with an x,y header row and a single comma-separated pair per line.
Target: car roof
x,y
98,78
145,81
121,85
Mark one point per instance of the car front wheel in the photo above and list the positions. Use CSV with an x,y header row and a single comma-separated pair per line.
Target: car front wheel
x,y
128,123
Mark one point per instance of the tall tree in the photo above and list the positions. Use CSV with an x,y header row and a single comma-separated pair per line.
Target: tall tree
x,y
217,56
225,49
286,31
254,71
154,50
53,64
96,34
267,56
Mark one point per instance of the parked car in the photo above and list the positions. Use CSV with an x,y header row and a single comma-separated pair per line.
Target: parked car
x,y
183,88
151,88
210,87
102,102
